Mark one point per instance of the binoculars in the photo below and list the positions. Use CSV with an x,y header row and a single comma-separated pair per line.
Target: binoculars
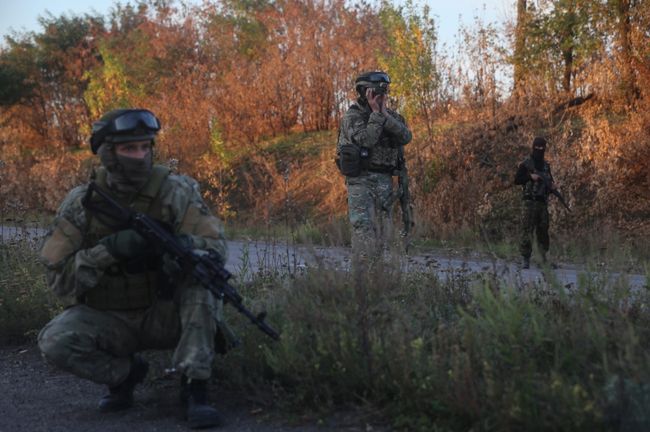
x,y
380,88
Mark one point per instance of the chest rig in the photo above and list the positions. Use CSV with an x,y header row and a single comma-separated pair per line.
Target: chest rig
x,y
384,156
133,284
536,190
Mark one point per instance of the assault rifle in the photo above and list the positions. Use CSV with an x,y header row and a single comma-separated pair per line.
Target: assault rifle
x,y
205,268
548,183
403,195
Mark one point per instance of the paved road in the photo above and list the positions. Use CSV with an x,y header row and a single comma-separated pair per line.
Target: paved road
x,y
248,257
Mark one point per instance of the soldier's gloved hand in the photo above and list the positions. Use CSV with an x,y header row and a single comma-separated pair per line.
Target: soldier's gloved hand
x,y
185,240
125,244
170,266
171,269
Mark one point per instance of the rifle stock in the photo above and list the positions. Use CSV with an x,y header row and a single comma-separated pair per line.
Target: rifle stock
x,y
205,268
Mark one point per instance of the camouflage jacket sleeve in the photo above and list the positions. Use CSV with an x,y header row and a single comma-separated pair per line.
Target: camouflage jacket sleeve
x,y
71,270
396,127
192,216
365,131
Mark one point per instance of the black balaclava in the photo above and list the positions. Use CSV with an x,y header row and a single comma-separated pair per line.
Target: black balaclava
x,y
538,154
125,175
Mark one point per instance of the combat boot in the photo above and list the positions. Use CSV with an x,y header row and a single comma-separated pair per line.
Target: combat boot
x,y
526,263
120,397
194,395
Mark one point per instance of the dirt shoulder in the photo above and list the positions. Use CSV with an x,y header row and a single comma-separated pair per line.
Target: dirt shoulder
x,y
38,397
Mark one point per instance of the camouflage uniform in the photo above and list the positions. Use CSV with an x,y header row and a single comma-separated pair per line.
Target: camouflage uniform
x,y
114,312
534,216
381,135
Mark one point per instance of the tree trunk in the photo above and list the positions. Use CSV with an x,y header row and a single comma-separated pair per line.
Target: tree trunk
x,y
568,45
520,45
567,54
624,29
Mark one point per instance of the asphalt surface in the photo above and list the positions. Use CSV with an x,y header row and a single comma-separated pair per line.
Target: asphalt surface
x,y
246,257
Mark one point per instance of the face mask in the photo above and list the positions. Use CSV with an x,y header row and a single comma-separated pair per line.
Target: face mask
x,y
538,154
125,174
136,171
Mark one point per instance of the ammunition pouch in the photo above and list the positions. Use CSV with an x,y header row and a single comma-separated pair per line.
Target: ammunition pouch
x,y
352,159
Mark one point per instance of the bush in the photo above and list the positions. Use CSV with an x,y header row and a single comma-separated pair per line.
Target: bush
x,y
458,354
464,352
25,302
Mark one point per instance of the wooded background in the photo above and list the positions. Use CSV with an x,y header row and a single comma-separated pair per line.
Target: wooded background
x,y
250,93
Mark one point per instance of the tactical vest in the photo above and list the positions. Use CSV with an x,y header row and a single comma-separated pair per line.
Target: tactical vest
x,y
384,156
126,285
536,190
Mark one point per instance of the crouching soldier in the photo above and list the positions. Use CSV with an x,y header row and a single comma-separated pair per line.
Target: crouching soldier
x,y
124,297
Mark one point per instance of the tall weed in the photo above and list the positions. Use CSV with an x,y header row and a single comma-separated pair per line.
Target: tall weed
x,y
455,354
25,302
459,352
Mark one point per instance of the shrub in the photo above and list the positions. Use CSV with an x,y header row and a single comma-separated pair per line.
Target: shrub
x,y
25,302
456,354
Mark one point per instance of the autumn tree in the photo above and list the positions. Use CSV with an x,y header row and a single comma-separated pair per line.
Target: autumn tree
x,y
49,71
519,47
411,60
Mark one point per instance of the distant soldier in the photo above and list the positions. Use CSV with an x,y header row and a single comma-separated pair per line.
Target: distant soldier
x,y
369,154
125,297
534,174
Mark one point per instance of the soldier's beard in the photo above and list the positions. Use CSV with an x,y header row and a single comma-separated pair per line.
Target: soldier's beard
x,y
125,174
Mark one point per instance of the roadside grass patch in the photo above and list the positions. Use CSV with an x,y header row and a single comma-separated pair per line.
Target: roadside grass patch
x,y
424,353
465,353
26,303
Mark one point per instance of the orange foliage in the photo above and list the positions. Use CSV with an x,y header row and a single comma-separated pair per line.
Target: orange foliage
x,y
231,80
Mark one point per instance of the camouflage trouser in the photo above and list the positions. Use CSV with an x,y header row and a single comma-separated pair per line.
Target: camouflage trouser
x,y
371,222
98,345
534,218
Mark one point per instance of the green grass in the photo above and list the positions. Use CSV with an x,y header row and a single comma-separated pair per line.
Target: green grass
x,y
25,219
299,145
463,354
334,232
25,302
425,354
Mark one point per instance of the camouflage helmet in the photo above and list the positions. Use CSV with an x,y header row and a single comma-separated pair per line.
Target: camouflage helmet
x,y
377,80
124,125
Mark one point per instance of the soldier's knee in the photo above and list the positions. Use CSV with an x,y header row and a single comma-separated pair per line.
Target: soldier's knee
x,y
56,344
198,304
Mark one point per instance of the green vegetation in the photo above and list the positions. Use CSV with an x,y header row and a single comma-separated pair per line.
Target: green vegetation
x,y
25,302
465,353
468,352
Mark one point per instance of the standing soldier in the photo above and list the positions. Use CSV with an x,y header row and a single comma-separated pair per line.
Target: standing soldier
x,y
369,154
534,174
124,297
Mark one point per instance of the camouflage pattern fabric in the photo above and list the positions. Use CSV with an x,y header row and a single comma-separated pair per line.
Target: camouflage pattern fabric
x,y
382,135
371,223
74,267
534,219
97,344
379,133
